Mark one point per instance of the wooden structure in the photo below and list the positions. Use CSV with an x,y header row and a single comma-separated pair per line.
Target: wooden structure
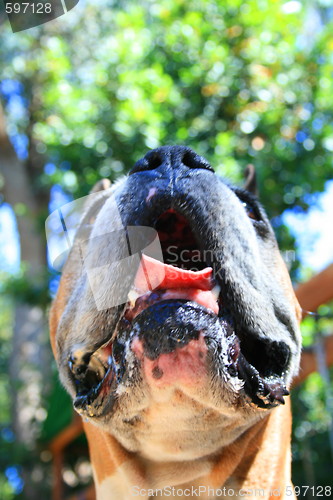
x,y
315,292
312,294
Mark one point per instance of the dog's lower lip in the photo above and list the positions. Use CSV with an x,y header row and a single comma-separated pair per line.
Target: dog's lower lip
x,y
85,400
205,298
263,391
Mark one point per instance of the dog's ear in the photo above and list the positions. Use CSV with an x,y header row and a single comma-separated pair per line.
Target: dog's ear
x,y
101,186
92,202
250,179
91,206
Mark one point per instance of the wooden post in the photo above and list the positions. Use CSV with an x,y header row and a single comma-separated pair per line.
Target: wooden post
x,y
57,490
57,447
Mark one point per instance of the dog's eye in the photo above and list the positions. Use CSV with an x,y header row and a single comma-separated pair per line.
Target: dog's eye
x,y
250,211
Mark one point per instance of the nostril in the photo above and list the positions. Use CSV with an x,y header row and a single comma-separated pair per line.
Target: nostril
x,y
171,157
154,161
189,160
192,160
149,162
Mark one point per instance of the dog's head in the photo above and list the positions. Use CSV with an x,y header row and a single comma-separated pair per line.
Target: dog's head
x,y
175,310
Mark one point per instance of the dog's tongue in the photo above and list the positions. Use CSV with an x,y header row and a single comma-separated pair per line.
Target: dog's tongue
x,y
180,283
158,275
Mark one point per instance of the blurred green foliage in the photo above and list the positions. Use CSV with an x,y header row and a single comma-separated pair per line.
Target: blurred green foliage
x,y
9,453
240,82
237,81
312,414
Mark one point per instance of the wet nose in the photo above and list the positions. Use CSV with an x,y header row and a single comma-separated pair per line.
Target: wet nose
x,y
171,158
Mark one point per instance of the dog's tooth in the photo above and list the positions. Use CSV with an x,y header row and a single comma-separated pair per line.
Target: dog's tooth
x,y
216,291
97,366
132,296
279,398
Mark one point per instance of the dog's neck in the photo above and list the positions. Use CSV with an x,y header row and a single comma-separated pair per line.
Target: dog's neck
x,y
258,459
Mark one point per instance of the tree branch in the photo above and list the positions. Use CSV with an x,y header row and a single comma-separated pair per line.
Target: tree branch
x,y
18,189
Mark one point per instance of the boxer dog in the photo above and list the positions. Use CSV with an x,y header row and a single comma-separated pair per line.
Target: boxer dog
x,y
175,329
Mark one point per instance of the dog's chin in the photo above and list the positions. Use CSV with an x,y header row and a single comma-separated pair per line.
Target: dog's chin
x,y
182,345
170,342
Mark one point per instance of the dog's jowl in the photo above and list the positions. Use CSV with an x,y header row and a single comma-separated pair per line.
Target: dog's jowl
x,y
175,330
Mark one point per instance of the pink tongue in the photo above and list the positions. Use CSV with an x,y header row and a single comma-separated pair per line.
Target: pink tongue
x,y
174,283
155,275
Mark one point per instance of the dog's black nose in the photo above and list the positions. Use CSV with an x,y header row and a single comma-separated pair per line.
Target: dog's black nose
x,y
171,157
